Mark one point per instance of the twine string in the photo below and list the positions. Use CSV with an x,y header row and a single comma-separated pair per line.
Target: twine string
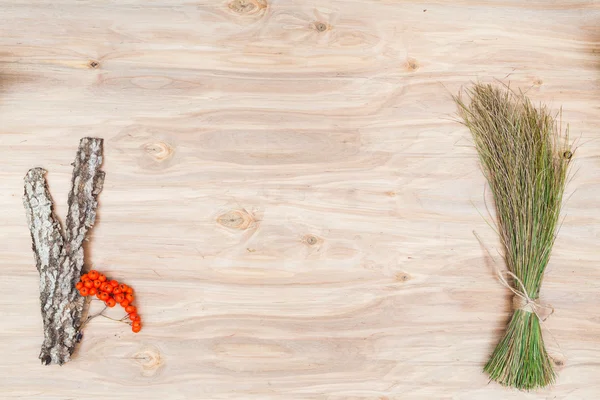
x,y
522,300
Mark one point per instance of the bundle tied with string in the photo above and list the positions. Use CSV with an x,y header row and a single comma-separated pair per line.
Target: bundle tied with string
x,y
521,300
525,160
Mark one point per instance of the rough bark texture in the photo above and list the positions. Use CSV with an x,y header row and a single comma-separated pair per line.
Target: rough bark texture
x,y
59,258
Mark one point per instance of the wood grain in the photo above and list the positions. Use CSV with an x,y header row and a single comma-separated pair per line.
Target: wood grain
x,y
290,194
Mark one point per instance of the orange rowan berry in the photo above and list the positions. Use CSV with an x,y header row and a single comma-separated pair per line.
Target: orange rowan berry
x,y
124,304
88,284
78,285
107,288
102,277
92,291
134,316
123,287
98,293
97,283
119,297
111,302
84,277
104,296
129,309
136,328
114,283
129,290
93,275
129,297
84,291
116,290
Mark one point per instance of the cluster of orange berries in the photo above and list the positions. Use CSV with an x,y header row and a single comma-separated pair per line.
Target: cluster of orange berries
x,y
111,292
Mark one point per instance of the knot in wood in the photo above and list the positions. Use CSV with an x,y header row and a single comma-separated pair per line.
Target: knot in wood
x,y
412,64
402,277
558,362
236,219
159,151
311,240
321,26
150,359
248,7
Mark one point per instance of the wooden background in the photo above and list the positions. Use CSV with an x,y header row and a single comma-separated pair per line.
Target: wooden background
x,y
289,193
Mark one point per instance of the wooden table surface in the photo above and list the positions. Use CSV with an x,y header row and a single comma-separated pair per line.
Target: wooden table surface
x,y
290,194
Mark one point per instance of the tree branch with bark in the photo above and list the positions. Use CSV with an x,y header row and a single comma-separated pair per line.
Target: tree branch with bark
x,y
59,255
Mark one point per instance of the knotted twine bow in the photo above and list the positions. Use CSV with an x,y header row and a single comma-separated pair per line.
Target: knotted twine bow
x,y
521,300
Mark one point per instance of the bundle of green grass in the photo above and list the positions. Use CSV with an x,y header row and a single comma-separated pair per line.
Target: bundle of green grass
x,y
525,160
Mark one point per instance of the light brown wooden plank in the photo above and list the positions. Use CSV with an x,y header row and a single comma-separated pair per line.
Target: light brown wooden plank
x,y
289,193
